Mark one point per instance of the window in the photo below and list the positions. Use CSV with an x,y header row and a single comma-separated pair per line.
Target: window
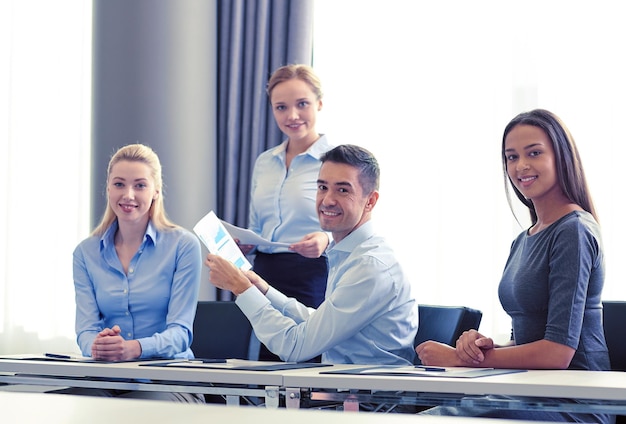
x,y
428,87
45,84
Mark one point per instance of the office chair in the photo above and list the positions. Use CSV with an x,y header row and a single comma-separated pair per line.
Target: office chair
x,y
613,319
222,331
444,324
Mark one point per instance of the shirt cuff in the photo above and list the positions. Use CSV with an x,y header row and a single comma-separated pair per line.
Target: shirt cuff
x,y
148,347
251,300
276,298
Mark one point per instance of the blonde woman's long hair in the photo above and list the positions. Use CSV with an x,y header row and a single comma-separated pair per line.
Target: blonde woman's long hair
x,y
143,154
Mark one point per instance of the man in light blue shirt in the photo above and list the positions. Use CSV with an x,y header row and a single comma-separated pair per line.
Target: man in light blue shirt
x,y
369,315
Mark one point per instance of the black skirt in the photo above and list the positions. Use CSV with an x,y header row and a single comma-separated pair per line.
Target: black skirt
x,y
294,275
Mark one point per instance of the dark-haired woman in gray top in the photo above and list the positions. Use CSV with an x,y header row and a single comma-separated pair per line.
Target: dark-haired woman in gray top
x,y
552,283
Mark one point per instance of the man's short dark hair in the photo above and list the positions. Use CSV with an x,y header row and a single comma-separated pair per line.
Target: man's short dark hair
x,y
360,158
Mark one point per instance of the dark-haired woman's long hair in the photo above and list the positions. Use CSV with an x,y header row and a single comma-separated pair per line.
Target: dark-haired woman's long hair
x,y
569,169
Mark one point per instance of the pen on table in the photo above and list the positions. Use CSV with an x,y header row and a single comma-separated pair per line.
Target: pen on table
x,y
207,360
421,367
57,356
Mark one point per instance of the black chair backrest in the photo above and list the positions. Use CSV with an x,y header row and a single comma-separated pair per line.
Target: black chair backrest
x,y
445,324
614,320
222,331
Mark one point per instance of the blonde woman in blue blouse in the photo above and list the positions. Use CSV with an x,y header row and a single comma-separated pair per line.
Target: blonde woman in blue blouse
x,y
137,276
283,190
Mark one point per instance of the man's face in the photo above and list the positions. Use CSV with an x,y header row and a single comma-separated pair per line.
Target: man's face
x,y
341,204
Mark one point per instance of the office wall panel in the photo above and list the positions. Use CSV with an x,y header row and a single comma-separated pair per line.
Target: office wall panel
x,y
154,73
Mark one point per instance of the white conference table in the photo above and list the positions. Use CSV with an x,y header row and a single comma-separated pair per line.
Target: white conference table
x,y
65,409
595,391
232,384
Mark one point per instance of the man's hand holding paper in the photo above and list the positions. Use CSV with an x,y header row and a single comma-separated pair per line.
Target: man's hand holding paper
x,y
211,231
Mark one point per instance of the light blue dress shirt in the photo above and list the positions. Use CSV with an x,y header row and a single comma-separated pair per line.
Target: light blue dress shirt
x,y
154,304
282,202
369,315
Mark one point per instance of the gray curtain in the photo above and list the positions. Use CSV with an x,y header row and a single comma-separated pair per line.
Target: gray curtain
x,y
254,38
156,81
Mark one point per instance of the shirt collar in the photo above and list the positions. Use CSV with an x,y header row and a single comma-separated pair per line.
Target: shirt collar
x,y
318,148
107,238
355,238
151,233
280,150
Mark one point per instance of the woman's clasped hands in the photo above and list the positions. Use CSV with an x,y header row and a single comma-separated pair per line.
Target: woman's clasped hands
x,y
470,351
109,345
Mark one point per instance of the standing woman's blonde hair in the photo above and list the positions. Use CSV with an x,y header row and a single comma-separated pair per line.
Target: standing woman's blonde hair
x,y
144,154
302,72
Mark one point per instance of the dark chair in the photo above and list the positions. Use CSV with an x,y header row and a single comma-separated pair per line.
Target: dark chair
x,y
222,331
613,319
445,324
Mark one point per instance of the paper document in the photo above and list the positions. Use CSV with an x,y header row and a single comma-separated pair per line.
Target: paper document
x,y
218,240
63,357
229,364
246,236
424,371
